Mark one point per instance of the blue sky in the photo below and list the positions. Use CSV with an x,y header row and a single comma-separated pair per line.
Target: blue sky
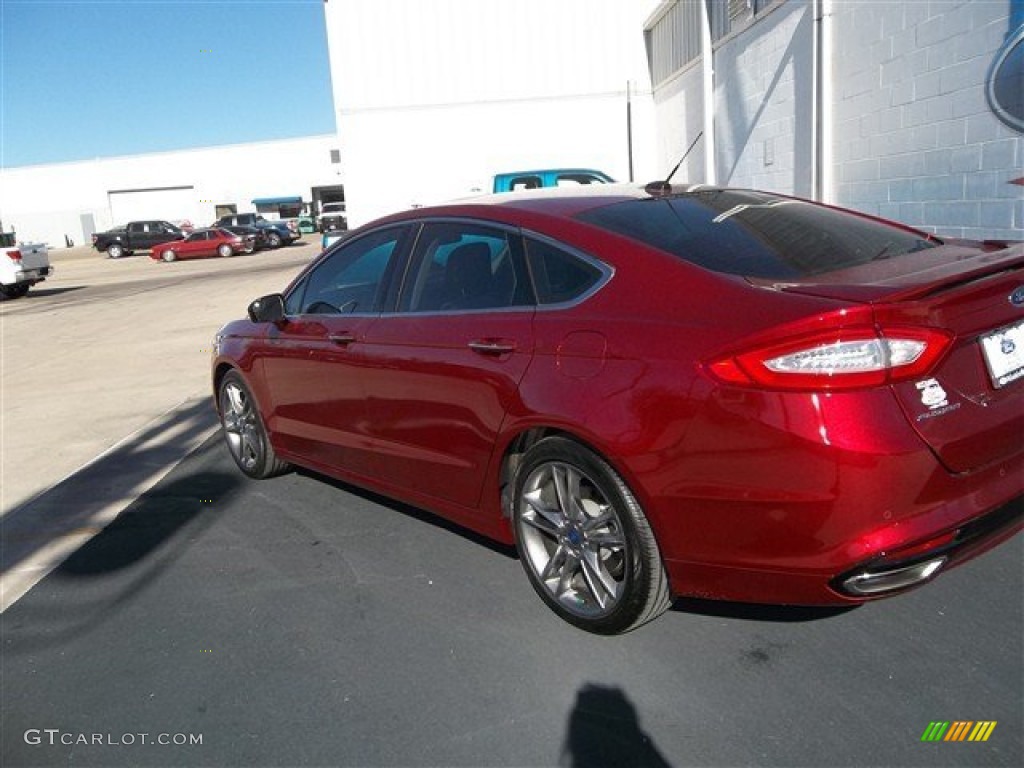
x,y
100,78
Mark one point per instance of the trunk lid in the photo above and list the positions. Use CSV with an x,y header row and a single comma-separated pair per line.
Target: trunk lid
x,y
970,410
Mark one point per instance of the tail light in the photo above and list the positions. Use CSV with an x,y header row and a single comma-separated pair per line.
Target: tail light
x,y
14,256
835,351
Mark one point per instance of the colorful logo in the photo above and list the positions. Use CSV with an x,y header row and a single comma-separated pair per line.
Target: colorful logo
x,y
959,730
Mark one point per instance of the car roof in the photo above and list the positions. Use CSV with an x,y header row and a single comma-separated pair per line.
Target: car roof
x,y
558,202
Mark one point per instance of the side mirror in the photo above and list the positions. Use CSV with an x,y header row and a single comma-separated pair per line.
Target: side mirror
x,y
267,309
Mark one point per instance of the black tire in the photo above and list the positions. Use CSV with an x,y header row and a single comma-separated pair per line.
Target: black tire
x,y
15,291
584,541
244,433
115,250
273,240
225,250
169,255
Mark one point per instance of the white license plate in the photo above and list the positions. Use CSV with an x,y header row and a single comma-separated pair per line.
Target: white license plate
x,y
1004,354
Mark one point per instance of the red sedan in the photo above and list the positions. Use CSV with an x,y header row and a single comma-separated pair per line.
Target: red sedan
x,y
200,244
689,391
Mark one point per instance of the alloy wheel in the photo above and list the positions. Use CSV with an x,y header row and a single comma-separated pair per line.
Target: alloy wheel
x,y
240,427
573,539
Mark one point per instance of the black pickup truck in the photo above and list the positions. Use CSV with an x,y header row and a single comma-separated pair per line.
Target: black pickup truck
x,y
135,236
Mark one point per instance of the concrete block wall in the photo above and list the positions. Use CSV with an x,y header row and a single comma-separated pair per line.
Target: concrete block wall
x,y
915,139
763,100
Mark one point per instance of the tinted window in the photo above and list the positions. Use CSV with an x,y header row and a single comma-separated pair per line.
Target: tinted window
x,y
558,276
460,266
349,279
755,234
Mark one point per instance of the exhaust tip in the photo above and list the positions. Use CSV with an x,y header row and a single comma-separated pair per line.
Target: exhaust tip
x,y
870,582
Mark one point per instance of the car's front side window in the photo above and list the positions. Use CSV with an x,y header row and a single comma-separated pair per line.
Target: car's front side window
x,y
350,279
465,266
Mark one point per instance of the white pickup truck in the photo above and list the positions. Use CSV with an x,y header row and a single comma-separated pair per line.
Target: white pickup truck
x,y
22,265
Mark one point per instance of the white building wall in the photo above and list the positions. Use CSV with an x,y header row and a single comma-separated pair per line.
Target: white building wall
x,y
763,120
434,98
49,203
679,110
915,137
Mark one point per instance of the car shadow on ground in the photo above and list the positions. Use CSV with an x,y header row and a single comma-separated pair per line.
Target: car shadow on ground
x,y
778,614
413,512
38,293
785,614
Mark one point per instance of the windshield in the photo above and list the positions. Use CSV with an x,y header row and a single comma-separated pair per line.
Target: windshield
x,y
755,234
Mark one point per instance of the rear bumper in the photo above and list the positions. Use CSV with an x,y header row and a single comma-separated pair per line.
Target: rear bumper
x,y
32,276
781,517
880,561
915,565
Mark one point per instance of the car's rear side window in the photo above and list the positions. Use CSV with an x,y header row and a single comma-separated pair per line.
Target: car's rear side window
x,y
755,234
559,276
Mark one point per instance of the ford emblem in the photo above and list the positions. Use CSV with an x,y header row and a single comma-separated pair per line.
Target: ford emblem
x,y
1017,297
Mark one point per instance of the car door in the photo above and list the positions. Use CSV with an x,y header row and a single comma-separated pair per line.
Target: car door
x,y
196,245
442,370
312,361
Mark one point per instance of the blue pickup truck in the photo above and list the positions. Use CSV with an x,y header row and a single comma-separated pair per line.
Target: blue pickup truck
x,y
550,177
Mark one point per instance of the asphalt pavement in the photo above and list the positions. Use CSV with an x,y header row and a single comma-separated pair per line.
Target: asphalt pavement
x,y
298,621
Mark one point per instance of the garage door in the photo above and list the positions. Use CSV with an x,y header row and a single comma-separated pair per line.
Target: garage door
x,y
167,203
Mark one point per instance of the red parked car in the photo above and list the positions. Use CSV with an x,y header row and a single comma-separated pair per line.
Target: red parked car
x,y
710,392
202,243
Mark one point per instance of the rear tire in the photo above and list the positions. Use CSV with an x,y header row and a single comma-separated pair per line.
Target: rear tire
x,y
15,291
584,541
274,240
225,250
244,433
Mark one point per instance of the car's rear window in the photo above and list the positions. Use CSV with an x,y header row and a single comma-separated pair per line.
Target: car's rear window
x,y
756,234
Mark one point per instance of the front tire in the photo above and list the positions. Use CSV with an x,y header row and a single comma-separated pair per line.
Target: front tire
x,y
584,541
115,251
168,255
244,433
274,240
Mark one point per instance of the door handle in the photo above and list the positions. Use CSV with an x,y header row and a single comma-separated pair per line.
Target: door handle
x,y
493,346
342,339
